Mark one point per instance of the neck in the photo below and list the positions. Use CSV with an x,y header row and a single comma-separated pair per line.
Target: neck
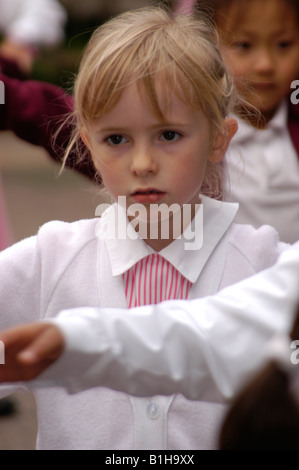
x,y
159,235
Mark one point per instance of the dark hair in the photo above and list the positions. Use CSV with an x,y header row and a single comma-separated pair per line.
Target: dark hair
x,y
265,414
213,7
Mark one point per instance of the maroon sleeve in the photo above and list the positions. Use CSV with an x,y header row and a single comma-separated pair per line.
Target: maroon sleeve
x,y
34,111
11,69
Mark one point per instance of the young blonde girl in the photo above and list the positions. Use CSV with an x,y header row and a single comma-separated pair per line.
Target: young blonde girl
x,y
152,100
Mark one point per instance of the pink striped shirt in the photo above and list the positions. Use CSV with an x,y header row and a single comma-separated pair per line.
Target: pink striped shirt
x,y
152,280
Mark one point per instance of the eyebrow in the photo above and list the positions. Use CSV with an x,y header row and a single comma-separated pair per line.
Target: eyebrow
x,y
251,34
122,128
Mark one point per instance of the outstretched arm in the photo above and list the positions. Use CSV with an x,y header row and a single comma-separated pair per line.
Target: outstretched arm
x,y
35,111
204,348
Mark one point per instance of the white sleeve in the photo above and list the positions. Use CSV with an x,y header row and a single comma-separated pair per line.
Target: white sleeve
x,y
36,22
202,348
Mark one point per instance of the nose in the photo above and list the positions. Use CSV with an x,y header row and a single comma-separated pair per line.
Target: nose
x,y
143,161
264,61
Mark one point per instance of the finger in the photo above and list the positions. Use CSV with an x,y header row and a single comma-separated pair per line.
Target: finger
x,y
47,346
20,336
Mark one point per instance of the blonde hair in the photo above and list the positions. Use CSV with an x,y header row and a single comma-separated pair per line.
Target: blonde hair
x,y
143,45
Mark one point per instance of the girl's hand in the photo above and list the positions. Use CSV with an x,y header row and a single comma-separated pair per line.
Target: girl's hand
x,y
29,349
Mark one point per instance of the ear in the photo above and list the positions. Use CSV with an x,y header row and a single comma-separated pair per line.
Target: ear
x,y
222,140
87,140
85,137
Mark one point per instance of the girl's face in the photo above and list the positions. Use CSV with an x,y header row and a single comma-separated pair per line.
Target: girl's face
x,y
261,46
149,161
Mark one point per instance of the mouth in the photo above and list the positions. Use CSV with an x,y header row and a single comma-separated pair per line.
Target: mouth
x,y
264,85
146,191
147,195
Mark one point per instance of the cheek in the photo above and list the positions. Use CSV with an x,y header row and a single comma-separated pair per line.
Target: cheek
x,y
237,66
192,171
111,179
108,174
241,73
288,72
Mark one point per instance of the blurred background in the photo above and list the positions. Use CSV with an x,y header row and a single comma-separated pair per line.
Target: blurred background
x,y
58,65
33,191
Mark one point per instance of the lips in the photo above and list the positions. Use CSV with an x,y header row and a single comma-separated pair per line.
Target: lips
x,y
146,191
263,85
147,195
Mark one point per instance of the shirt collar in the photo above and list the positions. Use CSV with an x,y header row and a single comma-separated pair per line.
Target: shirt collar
x,y
212,220
278,122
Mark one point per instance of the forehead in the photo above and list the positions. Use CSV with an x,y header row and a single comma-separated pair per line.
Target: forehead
x,y
259,17
135,107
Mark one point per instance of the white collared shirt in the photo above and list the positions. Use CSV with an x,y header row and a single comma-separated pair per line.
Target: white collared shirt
x,y
125,251
263,176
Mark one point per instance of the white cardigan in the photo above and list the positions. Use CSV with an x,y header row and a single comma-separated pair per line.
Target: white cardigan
x,y
67,266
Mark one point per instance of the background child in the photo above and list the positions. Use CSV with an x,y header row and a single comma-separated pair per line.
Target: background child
x,y
262,52
265,414
147,141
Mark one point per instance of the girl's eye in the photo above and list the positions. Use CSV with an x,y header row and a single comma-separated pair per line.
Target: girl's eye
x,y
242,45
170,136
116,139
284,44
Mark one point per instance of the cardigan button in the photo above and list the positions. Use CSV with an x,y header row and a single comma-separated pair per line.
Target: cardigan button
x,y
153,410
